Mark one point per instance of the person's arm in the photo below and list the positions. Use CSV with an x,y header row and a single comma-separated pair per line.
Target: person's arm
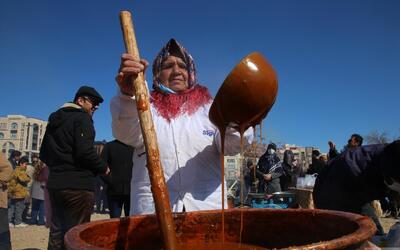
x,y
85,154
29,171
5,172
259,174
125,120
275,175
23,178
105,155
277,169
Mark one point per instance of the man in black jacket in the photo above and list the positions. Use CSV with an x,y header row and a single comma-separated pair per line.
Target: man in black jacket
x,y
317,164
118,157
68,151
355,141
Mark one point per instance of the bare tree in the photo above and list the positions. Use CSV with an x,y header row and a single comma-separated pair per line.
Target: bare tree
x,y
375,137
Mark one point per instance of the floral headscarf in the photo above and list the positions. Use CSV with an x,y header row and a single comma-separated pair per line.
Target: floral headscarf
x,y
173,48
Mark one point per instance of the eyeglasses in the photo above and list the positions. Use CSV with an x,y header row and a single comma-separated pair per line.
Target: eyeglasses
x,y
91,101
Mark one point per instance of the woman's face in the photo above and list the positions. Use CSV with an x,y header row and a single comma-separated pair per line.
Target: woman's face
x,y
174,74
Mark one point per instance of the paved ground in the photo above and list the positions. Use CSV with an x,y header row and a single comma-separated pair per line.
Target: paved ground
x,y
36,237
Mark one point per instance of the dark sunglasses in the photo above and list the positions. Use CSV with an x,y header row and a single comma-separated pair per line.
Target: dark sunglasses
x,y
91,100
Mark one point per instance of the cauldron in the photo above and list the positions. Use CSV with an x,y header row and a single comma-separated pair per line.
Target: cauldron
x,y
262,229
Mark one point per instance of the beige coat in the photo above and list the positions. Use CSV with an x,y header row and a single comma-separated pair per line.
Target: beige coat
x,y
5,175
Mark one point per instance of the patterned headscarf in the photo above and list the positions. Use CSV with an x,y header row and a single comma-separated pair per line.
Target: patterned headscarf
x,y
175,49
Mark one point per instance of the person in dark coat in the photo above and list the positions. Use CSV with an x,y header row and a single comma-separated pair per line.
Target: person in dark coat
x,y
119,158
356,177
317,164
288,170
68,150
15,156
355,141
269,169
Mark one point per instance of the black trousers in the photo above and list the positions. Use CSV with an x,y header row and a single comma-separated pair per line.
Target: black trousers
x,y
69,208
116,203
5,241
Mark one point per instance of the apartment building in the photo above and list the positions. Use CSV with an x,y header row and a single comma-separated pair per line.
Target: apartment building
x,y
18,132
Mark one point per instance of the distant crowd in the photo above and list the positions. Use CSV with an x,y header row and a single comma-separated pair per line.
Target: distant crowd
x,y
359,179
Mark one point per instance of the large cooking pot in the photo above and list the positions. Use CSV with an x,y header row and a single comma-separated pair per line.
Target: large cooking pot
x,y
262,229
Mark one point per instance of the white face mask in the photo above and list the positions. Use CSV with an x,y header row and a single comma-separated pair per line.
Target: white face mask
x,y
271,151
395,186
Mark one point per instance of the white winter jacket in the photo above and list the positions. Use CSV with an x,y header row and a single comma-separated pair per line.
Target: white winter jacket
x,y
189,148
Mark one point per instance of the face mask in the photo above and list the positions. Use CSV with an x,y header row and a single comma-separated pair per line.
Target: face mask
x,y
165,89
395,186
271,151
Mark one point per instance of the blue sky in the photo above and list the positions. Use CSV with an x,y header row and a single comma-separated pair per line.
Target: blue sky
x,y
337,61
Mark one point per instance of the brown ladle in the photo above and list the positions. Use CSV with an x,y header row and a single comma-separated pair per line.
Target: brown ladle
x,y
246,95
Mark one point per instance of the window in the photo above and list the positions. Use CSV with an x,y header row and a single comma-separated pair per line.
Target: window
x,y
7,148
1,135
35,137
14,126
13,134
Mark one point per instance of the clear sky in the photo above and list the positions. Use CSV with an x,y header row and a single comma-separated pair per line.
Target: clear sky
x,y
337,61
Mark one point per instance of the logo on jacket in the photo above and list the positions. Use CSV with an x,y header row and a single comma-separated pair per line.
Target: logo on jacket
x,y
208,132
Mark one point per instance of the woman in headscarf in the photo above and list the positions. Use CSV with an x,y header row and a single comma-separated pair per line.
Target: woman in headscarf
x,y
269,170
189,143
288,170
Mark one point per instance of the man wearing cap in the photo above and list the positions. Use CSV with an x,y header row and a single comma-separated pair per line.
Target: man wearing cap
x,y
68,151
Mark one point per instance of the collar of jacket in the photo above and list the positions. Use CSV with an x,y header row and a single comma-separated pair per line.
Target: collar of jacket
x,y
71,105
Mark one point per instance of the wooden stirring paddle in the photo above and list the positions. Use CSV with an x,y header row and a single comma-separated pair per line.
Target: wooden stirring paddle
x,y
156,173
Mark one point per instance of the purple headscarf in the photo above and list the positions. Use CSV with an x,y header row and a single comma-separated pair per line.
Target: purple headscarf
x,y
175,49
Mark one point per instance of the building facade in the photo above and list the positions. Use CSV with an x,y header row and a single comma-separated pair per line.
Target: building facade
x,y
18,132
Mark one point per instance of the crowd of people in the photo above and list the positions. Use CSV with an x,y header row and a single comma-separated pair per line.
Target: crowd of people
x,y
69,179
23,193
355,179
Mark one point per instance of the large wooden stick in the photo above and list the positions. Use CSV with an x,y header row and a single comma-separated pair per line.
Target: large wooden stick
x,y
156,174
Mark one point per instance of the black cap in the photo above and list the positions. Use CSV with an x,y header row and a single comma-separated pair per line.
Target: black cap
x,y
89,92
24,159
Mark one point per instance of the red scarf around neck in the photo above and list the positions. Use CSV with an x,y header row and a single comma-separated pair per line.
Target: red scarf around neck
x,y
171,106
